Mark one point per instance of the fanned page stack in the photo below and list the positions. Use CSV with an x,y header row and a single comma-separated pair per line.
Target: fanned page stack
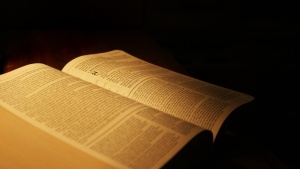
x,y
107,110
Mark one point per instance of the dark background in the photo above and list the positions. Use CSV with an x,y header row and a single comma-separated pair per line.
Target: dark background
x,y
250,46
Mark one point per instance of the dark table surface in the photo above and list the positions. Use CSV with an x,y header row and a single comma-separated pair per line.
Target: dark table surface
x,y
264,139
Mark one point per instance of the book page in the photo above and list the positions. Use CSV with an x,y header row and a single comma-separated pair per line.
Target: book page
x,y
106,126
193,100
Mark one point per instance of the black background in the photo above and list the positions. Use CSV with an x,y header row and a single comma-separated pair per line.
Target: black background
x,y
249,46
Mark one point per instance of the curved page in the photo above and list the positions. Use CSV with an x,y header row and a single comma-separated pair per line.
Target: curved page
x,y
198,102
106,126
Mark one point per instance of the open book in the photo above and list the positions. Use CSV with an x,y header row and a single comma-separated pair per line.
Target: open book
x,y
106,110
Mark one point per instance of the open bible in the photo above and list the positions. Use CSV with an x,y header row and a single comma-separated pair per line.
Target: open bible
x,y
107,110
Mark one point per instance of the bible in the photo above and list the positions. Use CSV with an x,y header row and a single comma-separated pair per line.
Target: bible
x,y
108,110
